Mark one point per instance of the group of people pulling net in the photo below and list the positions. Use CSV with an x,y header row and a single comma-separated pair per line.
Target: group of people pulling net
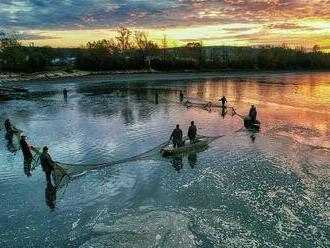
x,y
58,172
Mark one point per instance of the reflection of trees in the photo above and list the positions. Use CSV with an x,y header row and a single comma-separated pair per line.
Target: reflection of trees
x,y
131,101
127,112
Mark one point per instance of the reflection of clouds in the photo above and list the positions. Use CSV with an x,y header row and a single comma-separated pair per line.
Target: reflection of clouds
x,y
279,98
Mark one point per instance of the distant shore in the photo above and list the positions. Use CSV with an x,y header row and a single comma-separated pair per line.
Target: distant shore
x,y
10,77
60,74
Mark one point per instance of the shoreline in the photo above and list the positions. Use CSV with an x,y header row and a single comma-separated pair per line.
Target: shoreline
x,y
12,77
75,74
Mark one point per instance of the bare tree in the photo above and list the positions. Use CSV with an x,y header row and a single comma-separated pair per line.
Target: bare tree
x,y
123,38
164,45
316,48
141,40
104,46
143,44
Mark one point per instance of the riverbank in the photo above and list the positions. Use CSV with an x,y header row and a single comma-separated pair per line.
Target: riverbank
x,y
10,77
61,74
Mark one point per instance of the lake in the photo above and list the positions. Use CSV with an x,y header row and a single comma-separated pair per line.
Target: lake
x,y
247,189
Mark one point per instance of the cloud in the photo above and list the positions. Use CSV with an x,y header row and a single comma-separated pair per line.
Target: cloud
x,y
239,29
34,36
291,26
23,15
66,14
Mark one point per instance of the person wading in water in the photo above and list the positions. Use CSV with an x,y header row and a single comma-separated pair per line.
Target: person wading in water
x,y
181,96
223,101
7,125
47,164
65,93
25,147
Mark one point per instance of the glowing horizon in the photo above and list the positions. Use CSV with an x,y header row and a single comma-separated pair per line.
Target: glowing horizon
x,y
228,22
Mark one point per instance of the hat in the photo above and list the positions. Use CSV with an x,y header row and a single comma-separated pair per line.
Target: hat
x,y
45,148
23,135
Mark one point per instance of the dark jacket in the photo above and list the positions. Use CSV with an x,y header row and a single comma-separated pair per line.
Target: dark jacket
x,y
192,131
253,114
176,135
25,149
46,162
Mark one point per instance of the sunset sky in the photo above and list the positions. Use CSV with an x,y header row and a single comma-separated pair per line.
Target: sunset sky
x,y
71,23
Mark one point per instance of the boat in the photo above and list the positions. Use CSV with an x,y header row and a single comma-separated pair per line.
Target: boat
x,y
200,143
251,125
5,96
7,93
14,89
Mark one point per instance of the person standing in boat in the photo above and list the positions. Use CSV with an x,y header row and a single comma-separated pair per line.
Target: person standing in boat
x,y
47,164
25,147
192,132
176,136
253,114
223,101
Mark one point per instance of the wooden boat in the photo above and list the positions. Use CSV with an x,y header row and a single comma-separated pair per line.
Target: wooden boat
x,y
11,93
4,96
200,143
14,89
251,125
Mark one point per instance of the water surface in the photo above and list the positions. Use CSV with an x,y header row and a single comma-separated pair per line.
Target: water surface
x,y
265,189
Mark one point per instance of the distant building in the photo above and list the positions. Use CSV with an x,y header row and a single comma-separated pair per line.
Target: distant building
x,y
63,61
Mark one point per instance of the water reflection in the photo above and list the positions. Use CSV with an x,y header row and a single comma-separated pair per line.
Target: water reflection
x,y
192,159
177,162
223,112
50,196
115,122
27,166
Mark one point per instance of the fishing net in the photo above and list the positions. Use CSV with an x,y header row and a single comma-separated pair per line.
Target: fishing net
x,y
195,102
64,173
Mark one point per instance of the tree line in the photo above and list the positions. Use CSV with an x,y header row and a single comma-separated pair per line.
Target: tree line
x,y
133,50
15,57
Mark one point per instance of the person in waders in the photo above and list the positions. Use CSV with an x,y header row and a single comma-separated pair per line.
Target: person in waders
x,y
25,147
47,164
223,101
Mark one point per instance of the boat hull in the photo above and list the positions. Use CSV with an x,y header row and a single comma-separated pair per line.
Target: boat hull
x,y
251,125
199,144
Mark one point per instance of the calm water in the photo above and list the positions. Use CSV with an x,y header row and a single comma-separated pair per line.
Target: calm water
x,y
266,189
